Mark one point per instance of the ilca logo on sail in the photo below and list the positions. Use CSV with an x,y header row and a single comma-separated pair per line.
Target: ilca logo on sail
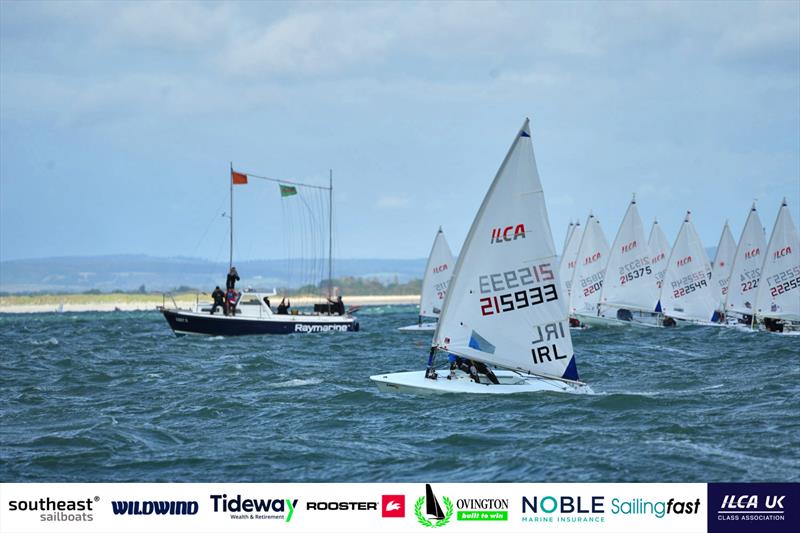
x,y
433,510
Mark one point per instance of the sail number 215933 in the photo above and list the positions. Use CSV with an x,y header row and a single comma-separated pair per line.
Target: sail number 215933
x,y
525,295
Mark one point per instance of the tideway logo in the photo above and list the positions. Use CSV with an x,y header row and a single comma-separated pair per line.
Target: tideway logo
x,y
254,509
159,507
57,510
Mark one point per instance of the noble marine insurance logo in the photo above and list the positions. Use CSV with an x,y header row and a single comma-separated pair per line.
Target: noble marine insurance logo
x,y
433,516
254,508
579,509
50,510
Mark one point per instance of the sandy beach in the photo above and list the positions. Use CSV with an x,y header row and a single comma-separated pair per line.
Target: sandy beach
x,y
124,302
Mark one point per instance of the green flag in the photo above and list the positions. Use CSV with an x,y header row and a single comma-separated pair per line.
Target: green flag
x,y
287,190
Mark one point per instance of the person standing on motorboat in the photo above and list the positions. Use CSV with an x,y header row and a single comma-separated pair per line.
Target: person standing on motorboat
x,y
283,307
230,302
266,301
219,300
337,306
233,277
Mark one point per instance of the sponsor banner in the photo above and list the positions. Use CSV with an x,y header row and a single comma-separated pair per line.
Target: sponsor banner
x,y
748,507
369,507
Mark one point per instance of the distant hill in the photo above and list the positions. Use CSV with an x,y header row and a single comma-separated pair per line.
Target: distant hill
x,y
131,272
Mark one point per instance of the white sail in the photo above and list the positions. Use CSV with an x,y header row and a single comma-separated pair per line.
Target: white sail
x,y
686,292
630,280
568,258
437,275
589,273
505,305
746,269
570,229
659,252
779,290
723,262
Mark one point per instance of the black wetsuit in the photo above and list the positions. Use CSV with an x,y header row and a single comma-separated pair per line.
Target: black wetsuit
x,y
230,281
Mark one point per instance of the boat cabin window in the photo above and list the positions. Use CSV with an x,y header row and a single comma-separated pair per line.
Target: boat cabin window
x,y
250,300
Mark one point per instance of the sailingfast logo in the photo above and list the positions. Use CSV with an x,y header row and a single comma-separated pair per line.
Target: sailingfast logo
x,y
254,508
592,509
433,515
155,507
507,234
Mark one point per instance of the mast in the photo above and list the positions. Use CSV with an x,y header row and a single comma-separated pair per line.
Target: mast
x,y
330,233
230,183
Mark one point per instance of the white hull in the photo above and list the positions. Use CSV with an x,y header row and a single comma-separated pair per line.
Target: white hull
x,y
510,383
425,327
646,321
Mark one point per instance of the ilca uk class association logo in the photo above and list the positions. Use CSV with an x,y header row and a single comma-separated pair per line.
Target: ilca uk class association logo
x,y
433,516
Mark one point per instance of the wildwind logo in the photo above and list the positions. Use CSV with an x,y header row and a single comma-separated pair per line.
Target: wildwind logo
x,y
433,509
155,507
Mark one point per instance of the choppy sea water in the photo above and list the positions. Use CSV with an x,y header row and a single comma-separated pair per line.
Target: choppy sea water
x,y
117,397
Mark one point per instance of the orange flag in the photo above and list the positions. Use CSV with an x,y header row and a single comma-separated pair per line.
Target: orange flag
x,y
238,178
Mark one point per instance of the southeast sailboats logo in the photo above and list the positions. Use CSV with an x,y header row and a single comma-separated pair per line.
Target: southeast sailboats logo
x,y
433,509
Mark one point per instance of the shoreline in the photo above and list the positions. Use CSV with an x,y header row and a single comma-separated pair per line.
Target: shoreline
x,y
53,305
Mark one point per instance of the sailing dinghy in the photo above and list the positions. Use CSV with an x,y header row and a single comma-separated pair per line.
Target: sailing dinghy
x,y
505,305
659,251
629,294
434,284
686,294
746,271
569,258
723,261
778,296
590,271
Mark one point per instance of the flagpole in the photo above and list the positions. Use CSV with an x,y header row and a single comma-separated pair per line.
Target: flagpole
x,y
230,179
330,233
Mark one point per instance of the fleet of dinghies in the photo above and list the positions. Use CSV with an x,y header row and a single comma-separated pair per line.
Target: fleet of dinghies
x,y
751,283
504,316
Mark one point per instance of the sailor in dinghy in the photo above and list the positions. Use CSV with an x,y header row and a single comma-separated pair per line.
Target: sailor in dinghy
x,y
505,305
